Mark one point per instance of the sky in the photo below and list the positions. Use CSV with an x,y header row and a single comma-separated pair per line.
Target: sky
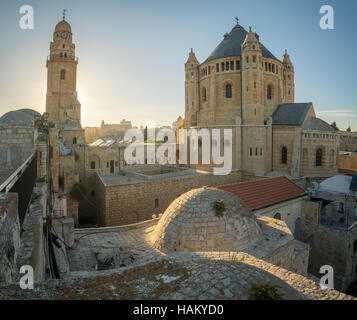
x,y
132,53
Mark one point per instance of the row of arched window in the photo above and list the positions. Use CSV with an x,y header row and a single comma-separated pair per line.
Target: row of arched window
x,y
258,151
235,65
223,66
229,93
318,156
271,67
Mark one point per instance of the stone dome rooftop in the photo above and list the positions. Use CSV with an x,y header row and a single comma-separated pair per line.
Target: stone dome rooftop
x,y
190,224
317,124
63,26
22,117
231,45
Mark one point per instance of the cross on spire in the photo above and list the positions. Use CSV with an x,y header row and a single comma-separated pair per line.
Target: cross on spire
x,y
64,13
237,20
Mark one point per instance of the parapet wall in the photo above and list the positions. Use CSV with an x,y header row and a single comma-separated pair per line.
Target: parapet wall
x,y
131,203
9,236
32,241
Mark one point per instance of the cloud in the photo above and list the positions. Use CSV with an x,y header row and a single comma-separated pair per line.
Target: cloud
x,y
342,113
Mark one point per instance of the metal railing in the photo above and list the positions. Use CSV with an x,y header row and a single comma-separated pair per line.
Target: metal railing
x,y
22,182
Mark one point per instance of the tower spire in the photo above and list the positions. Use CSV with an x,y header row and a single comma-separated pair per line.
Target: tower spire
x,y
237,20
64,14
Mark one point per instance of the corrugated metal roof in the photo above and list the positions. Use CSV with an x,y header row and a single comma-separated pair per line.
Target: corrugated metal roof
x,y
257,194
231,46
290,114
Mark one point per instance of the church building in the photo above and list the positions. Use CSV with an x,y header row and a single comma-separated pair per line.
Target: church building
x,y
242,86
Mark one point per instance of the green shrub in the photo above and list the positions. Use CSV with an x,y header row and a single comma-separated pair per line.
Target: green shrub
x,y
79,192
265,291
219,207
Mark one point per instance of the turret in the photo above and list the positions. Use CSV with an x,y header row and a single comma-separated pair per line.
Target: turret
x,y
252,79
288,79
191,89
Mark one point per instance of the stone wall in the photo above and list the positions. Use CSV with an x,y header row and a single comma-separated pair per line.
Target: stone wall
x,y
348,161
9,236
131,203
32,239
16,145
330,245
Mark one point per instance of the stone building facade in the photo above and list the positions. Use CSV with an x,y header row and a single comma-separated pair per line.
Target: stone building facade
x,y
242,86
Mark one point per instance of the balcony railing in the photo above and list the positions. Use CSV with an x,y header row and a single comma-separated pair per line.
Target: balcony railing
x,y
55,57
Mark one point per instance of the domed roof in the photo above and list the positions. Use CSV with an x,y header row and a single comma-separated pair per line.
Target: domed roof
x,y
191,223
313,123
22,117
336,184
231,45
63,26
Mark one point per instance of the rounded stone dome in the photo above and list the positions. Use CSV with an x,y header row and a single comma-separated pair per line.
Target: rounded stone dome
x,y
22,117
63,26
191,224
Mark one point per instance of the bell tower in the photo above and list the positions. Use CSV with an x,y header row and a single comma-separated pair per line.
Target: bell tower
x,y
61,99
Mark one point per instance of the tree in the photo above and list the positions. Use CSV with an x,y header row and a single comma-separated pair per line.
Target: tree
x,y
334,125
349,129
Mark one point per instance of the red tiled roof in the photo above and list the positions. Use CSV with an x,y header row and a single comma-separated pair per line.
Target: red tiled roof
x,y
257,194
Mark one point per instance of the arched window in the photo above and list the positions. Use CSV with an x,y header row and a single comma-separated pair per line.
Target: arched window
x,y
74,140
284,155
277,216
228,91
63,74
318,158
269,92
204,95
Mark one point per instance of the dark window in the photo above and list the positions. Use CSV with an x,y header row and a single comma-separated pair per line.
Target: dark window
x,y
64,46
250,151
116,163
318,158
63,74
92,193
254,59
238,65
92,164
74,140
232,65
269,92
227,65
156,203
222,66
217,67
284,155
204,95
228,91
277,216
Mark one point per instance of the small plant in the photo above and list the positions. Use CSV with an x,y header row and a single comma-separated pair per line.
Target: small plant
x,y
219,207
265,291
42,179
34,197
80,191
